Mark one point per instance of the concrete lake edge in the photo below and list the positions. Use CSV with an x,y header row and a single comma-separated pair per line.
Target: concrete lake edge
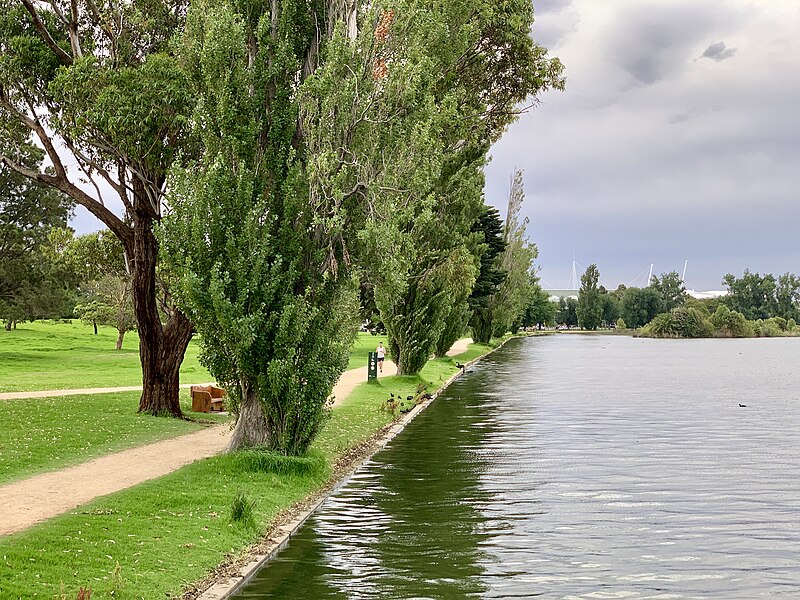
x,y
278,537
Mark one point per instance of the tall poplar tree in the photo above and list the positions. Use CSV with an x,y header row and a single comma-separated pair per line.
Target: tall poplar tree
x,y
590,300
482,64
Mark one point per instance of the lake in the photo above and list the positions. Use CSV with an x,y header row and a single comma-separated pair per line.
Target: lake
x,y
575,466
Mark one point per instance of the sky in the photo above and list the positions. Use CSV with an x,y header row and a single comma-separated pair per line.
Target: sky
x,y
677,138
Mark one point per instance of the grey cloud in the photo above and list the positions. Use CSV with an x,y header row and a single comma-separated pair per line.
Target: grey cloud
x,y
651,42
678,118
552,23
718,51
541,7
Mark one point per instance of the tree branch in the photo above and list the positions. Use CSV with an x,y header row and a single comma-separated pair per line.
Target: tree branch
x,y
63,56
112,221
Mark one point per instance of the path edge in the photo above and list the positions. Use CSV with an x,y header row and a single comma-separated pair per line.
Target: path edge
x,y
278,537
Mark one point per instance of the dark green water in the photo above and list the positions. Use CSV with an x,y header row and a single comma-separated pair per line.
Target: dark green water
x,y
575,467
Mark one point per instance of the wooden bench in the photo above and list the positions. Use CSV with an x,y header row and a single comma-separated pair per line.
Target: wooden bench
x,y
207,398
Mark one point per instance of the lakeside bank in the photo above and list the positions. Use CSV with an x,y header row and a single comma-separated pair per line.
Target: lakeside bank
x,y
230,577
166,536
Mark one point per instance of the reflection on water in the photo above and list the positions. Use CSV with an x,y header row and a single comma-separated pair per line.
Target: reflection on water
x,y
576,467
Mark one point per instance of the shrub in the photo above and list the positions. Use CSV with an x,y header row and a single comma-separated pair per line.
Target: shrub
x,y
662,325
767,328
621,323
791,325
730,323
782,324
691,323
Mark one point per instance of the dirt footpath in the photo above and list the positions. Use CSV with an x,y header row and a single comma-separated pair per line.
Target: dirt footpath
x,y
43,496
79,392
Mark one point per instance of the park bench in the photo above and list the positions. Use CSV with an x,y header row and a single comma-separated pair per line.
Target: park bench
x,y
207,398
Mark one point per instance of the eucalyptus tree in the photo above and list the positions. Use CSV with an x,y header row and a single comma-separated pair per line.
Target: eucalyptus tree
x,y
95,84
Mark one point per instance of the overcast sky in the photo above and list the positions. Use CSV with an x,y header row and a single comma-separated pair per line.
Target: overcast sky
x,y
678,137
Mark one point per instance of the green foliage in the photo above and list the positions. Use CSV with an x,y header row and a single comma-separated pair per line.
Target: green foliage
x,y
106,286
612,308
590,301
662,325
454,328
791,325
768,328
752,295
97,82
255,246
242,510
540,311
621,323
730,323
489,226
691,323
567,313
671,288
507,306
450,68
33,281
640,305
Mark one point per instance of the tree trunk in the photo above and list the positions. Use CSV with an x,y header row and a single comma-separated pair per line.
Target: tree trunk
x,y
251,427
94,324
120,337
8,325
161,347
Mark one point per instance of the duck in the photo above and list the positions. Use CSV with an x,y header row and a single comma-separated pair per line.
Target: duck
x,y
742,405
460,366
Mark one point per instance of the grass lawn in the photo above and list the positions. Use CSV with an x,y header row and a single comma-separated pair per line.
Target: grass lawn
x,y
364,344
152,540
45,355
44,434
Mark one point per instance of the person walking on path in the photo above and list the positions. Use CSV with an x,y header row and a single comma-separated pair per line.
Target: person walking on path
x,y
381,352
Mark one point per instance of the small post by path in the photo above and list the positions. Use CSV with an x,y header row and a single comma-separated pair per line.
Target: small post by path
x,y
372,367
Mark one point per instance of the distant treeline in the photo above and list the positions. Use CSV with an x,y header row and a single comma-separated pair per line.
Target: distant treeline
x,y
755,306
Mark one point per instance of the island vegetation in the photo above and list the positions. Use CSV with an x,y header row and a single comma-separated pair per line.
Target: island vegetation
x,y
754,305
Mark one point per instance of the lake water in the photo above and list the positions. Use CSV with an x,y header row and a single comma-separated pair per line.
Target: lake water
x,y
575,467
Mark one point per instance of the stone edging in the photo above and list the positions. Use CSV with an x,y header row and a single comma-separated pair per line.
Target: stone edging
x,y
279,538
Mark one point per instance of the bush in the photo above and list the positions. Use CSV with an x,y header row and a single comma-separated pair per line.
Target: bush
x,y
730,323
791,325
662,325
767,328
621,324
691,323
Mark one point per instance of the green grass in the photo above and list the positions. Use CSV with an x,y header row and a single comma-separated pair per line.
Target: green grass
x,y
171,531
44,434
364,344
46,356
